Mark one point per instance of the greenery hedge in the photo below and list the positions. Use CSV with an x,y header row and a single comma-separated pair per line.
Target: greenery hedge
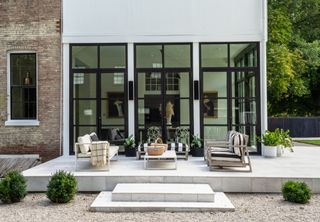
x,y
62,187
297,192
13,188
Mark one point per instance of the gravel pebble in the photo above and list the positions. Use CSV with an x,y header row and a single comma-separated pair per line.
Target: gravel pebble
x,y
249,207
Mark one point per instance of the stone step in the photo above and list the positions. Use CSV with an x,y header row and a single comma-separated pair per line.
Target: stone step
x,y
104,203
159,192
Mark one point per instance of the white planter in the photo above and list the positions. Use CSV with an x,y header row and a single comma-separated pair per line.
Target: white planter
x,y
280,150
270,151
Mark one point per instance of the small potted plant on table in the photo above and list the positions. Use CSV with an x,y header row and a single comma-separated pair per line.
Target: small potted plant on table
x,y
196,146
130,146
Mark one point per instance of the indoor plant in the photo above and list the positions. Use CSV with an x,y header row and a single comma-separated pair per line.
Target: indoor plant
x,y
270,140
130,146
196,146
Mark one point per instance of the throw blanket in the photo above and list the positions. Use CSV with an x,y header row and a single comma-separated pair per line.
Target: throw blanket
x,y
99,151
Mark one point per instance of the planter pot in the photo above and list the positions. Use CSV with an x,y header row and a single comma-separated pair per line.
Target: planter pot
x,y
197,152
280,150
270,151
129,151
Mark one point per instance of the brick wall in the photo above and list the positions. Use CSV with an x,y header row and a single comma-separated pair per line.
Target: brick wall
x,y
31,25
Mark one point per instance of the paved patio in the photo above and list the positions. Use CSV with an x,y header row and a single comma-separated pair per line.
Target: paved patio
x,y
267,176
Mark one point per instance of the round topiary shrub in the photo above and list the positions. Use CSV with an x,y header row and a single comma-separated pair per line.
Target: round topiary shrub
x,y
13,187
297,192
62,187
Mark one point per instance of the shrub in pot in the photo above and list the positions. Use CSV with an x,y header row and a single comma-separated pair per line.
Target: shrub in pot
x,y
196,146
285,141
62,187
130,146
297,192
13,188
270,140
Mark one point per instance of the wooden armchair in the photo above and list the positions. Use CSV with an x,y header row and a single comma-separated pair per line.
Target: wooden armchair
x,y
234,154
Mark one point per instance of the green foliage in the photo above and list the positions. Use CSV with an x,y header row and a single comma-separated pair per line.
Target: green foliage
x,y
297,192
129,142
293,57
284,138
196,141
62,187
13,188
269,139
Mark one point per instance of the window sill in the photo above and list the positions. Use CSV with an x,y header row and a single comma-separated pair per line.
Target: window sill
x,y
22,123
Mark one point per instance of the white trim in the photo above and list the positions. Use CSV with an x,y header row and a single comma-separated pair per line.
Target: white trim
x,y
24,122
196,76
66,55
78,38
130,117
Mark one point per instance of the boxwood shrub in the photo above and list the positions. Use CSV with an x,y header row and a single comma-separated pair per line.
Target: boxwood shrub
x,y
297,192
62,187
13,188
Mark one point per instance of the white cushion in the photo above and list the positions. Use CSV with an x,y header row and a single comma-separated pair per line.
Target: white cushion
x,y
84,143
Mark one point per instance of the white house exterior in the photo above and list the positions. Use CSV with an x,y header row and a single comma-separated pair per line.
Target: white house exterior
x,y
124,61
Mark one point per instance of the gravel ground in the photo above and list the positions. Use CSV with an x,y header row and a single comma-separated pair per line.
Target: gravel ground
x,y
249,207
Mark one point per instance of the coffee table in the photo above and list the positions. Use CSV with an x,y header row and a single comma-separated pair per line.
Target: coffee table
x,y
160,162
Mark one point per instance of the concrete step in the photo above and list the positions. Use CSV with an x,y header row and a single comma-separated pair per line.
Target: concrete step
x,y
104,203
159,192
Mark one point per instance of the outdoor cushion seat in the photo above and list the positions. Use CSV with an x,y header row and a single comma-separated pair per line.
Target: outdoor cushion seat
x,y
231,154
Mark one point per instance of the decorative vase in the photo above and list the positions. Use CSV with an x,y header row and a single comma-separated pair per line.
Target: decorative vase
x,y
270,151
197,152
280,150
130,151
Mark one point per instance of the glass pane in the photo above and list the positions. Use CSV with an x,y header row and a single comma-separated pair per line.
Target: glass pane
x,y
84,57
150,111
84,85
149,56
112,85
244,111
85,112
243,84
149,84
243,55
177,56
18,110
113,111
177,83
106,134
214,55
215,83
214,110
82,130
23,69
112,57
251,132
215,132
142,111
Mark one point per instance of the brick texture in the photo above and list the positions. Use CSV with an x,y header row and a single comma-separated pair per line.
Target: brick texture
x,y
31,25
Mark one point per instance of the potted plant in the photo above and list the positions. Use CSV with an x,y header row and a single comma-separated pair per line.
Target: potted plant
x,y
270,140
285,141
129,146
196,146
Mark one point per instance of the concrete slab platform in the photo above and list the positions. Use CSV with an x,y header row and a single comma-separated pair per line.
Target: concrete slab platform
x,y
104,203
154,192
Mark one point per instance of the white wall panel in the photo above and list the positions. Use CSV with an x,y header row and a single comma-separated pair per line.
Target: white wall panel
x,y
162,21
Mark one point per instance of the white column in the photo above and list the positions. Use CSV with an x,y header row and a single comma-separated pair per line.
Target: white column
x,y
196,76
263,70
66,98
131,78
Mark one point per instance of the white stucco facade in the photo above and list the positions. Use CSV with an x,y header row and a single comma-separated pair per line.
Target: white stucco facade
x,y
151,21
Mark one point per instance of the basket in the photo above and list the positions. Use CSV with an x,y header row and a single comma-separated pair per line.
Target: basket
x,y
156,149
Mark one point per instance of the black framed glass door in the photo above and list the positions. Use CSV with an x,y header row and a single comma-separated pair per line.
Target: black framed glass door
x,y
98,90
163,101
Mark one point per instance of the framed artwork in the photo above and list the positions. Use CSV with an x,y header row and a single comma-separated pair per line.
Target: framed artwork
x,y
210,104
115,105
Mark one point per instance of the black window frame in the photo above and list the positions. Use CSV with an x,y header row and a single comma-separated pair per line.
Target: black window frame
x,y
230,98
12,86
